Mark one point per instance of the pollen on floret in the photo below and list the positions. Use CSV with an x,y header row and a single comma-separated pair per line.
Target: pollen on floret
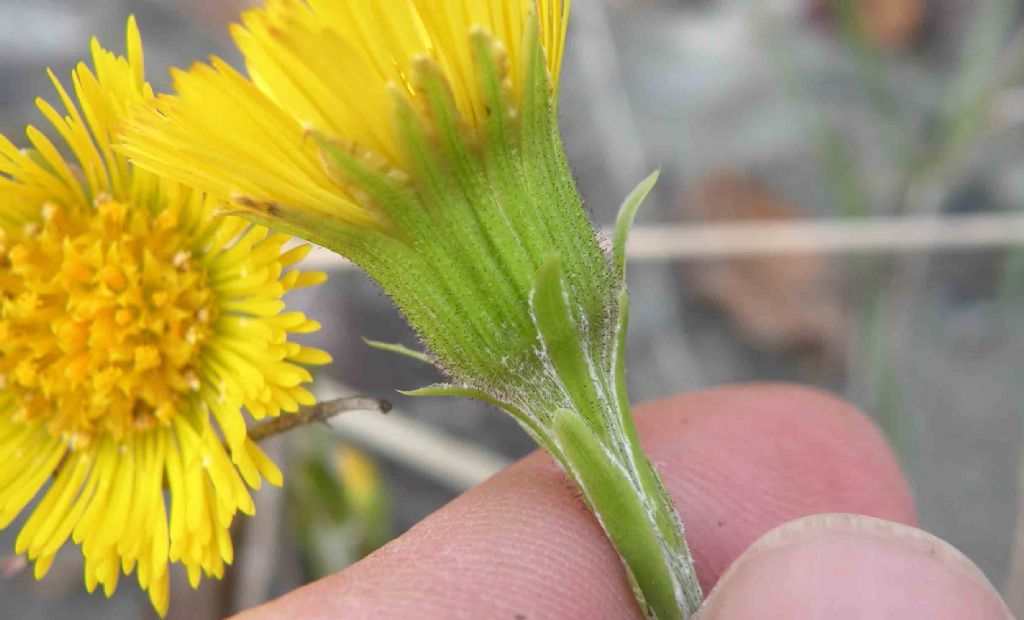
x,y
76,267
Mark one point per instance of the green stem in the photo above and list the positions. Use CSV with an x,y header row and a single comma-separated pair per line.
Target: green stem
x,y
595,438
638,518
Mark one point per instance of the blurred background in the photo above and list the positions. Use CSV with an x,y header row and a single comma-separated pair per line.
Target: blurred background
x,y
839,207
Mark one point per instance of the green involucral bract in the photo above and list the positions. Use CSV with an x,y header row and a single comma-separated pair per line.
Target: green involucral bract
x,y
487,251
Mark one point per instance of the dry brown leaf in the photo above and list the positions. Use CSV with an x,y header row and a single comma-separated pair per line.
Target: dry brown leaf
x,y
780,304
893,25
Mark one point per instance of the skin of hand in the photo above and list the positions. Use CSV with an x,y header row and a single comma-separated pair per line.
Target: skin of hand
x,y
794,504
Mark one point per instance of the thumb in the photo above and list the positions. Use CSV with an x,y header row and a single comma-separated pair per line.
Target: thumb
x,y
842,566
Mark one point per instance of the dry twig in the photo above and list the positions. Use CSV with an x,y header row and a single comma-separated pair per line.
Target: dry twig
x,y
321,412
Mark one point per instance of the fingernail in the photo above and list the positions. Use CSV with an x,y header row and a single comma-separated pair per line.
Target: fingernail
x,y
841,566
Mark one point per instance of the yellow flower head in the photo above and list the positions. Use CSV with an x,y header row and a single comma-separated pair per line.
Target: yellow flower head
x,y
333,68
134,327
419,138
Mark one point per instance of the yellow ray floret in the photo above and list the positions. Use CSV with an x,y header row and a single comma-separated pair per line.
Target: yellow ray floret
x,y
327,66
134,328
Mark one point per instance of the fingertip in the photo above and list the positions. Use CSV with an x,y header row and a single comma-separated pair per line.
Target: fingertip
x,y
740,461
